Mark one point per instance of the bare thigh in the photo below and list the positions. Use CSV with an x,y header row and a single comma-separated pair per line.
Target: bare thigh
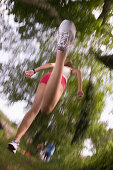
x,y
49,108
38,97
58,96
31,114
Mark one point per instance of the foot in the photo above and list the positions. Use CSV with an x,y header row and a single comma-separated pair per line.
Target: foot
x,y
13,146
66,35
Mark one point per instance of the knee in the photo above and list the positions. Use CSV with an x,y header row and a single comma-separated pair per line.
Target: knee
x,y
46,110
34,111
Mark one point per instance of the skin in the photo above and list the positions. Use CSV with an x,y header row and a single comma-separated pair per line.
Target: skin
x,y
47,95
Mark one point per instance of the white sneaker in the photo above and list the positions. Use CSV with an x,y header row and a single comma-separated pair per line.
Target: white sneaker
x,y
13,146
66,35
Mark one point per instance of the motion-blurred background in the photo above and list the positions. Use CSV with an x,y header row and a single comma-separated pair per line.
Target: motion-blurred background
x,y
80,128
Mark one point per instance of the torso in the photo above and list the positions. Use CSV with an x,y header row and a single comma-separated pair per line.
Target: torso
x,y
66,72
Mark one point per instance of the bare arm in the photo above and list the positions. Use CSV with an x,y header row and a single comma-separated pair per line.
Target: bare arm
x,y
45,66
29,73
79,76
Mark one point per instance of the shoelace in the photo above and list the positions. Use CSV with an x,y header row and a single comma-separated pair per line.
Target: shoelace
x,y
63,39
16,142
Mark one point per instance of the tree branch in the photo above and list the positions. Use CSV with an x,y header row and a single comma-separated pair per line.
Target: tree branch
x,y
45,6
107,60
106,8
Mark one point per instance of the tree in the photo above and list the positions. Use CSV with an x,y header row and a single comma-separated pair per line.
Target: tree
x,y
87,110
32,42
107,60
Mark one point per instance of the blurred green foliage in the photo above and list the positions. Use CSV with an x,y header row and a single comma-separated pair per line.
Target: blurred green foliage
x,y
31,42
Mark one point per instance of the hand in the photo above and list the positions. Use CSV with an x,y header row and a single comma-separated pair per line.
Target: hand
x,y
80,93
29,73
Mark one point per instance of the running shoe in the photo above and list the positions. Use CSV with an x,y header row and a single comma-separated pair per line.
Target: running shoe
x,y
13,146
66,36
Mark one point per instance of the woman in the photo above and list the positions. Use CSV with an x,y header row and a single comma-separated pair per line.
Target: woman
x,y
52,85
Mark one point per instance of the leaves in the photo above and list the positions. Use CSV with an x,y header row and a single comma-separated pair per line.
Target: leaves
x,y
31,42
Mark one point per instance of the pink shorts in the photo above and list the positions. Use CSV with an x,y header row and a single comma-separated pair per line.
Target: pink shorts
x,y
45,79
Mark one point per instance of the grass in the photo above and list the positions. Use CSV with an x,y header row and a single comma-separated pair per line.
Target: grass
x,y
10,161
18,161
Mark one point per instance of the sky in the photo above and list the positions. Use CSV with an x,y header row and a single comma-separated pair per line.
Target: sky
x,y
16,111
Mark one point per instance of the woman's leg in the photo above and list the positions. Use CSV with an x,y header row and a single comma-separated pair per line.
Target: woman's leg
x,y
54,102
54,88
65,40
31,114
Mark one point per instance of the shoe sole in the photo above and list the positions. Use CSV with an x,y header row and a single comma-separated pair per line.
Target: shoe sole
x,y
11,148
67,26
